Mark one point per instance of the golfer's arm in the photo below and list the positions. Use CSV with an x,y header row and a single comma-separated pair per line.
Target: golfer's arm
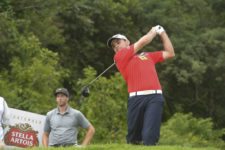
x,y
168,47
144,40
45,139
89,135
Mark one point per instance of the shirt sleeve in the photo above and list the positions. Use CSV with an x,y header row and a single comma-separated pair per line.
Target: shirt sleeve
x,y
156,56
47,127
83,122
6,114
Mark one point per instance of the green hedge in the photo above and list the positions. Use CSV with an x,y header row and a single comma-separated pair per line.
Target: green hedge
x,y
184,129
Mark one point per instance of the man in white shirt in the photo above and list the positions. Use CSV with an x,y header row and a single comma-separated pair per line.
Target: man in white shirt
x,y
4,119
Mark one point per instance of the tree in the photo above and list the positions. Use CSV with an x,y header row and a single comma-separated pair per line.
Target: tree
x,y
29,73
105,108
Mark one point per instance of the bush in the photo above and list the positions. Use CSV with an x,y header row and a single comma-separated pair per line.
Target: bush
x,y
184,129
106,107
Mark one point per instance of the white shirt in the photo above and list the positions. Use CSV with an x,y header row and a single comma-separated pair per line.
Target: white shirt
x,y
4,115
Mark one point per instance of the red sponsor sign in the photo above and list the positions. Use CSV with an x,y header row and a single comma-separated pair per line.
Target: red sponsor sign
x,y
21,135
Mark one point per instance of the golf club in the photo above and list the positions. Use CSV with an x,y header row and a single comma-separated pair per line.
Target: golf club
x,y
85,90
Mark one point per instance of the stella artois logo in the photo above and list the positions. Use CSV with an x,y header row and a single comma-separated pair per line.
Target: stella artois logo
x,y
21,135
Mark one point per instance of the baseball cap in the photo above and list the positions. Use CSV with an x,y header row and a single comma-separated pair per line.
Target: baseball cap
x,y
116,36
63,91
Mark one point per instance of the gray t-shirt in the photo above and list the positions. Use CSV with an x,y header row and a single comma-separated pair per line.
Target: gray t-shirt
x,y
63,128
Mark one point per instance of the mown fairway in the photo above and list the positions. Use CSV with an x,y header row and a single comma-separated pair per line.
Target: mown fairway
x,y
128,147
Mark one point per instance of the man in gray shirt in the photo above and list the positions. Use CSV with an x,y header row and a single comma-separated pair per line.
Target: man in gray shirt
x,y
62,123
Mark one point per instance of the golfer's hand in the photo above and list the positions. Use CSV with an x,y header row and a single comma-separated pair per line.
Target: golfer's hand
x,y
159,29
153,31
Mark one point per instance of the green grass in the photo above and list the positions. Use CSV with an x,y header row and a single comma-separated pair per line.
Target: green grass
x,y
127,147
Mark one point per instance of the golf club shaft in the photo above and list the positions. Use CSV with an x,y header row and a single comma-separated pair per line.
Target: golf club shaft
x,y
101,74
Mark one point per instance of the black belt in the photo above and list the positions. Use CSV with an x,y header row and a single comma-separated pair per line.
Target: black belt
x,y
63,145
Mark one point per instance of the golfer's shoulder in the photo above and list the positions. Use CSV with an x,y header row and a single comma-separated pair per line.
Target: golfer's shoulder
x,y
1,102
126,51
1,98
52,112
75,111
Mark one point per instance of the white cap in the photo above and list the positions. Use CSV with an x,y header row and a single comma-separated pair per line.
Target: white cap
x,y
117,36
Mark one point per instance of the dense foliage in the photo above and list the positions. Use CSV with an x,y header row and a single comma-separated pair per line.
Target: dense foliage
x,y
189,131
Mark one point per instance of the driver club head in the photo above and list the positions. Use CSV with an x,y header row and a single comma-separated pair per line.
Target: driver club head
x,y
85,91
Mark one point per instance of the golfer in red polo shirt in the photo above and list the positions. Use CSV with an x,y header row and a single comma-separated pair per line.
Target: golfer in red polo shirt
x,y
145,102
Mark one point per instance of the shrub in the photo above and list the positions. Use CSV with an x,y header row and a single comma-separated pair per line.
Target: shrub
x,y
184,129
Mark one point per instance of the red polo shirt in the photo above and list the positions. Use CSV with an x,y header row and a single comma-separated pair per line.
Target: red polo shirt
x,y
139,70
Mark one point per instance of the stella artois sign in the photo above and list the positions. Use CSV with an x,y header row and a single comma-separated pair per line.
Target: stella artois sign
x,y
21,135
25,129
